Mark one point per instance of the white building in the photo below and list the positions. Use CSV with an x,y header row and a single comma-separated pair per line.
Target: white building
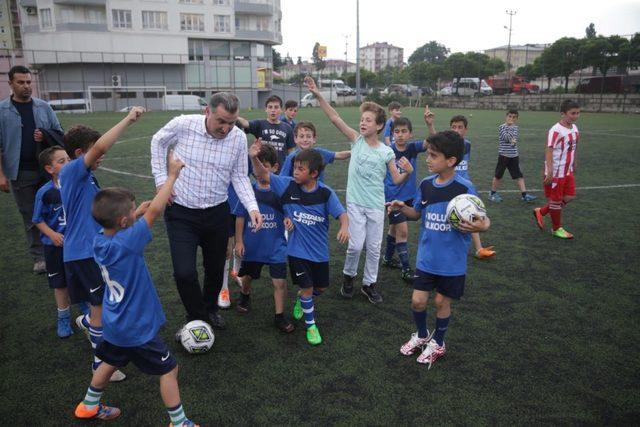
x,y
520,55
378,56
332,66
187,46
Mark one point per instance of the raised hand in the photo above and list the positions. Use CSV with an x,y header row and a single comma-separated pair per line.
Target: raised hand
x,y
254,149
405,165
429,116
135,113
311,84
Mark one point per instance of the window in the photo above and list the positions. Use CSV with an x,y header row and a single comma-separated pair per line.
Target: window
x,y
196,50
221,24
152,20
221,2
152,94
262,24
238,23
45,18
95,16
191,1
241,50
121,18
218,49
191,22
66,15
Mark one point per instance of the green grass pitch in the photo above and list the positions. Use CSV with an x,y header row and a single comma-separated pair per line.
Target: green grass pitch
x,y
545,334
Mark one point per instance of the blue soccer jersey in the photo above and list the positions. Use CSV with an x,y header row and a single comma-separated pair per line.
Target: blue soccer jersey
x,y
387,131
463,167
268,245
232,197
78,187
279,135
407,189
442,250
284,119
310,212
327,158
131,311
48,209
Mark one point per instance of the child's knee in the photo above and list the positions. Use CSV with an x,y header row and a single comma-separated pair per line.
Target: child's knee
x,y
441,302
419,301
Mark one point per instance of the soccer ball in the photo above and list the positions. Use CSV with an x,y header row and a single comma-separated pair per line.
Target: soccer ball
x,y
197,337
465,207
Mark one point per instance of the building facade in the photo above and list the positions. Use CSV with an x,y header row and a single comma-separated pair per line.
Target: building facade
x,y
520,55
135,48
332,66
378,56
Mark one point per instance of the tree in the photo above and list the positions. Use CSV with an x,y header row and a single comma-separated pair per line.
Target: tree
x,y
530,71
562,58
277,59
426,74
432,52
590,31
367,78
632,51
317,61
604,53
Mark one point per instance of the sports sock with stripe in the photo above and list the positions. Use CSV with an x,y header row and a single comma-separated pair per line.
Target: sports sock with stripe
x,y
307,309
420,319
177,415
95,336
555,209
544,210
442,324
92,398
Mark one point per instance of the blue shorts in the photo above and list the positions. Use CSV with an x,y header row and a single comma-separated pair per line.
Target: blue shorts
x,y
449,286
84,281
55,266
253,269
399,217
153,357
309,274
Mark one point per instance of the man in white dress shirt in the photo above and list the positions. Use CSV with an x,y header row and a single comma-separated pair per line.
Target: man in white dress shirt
x,y
214,151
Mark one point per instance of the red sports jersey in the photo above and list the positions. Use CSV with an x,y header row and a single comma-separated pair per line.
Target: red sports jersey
x,y
564,143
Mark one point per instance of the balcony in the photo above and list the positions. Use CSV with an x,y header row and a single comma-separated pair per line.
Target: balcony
x,y
249,8
258,35
81,26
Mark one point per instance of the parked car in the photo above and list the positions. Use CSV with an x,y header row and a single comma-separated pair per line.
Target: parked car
x,y
467,86
310,100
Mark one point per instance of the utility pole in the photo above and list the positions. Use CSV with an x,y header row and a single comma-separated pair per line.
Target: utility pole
x,y
358,99
510,13
346,50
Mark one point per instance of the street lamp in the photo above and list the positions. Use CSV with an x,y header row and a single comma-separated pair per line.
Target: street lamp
x,y
510,13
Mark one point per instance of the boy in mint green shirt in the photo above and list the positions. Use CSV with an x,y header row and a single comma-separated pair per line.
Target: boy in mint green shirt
x,y
370,160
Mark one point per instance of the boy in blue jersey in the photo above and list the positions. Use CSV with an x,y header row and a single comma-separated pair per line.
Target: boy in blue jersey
x,y
442,250
272,131
305,137
308,203
290,113
48,217
395,112
267,246
132,311
86,147
398,233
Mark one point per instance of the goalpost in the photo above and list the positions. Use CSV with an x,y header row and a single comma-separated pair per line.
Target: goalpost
x,y
114,90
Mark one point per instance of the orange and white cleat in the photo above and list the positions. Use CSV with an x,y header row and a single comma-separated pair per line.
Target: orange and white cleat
x,y
223,298
99,412
539,218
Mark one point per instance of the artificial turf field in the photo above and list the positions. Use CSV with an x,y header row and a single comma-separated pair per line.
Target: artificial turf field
x,y
546,333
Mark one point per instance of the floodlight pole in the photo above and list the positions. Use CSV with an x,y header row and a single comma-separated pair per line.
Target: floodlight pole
x,y
358,99
510,13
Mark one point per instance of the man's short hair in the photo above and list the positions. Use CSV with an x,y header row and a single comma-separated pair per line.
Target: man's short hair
x,y
304,125
513,111
381,116
228,101
290,104
394,105
79,136
46,156
312,158
111,204
20,69
568,104
268,154
448,143
402,121
459,118
273,98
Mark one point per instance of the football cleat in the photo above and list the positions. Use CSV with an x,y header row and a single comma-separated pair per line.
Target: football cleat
x,y
431,353
83,324
223,298
297,309
371,293
484,253
528,198
537,214
495,197
562,233
391,263
187,423
100,412
414,344
347,286
64,327
284,325
313,335
407,275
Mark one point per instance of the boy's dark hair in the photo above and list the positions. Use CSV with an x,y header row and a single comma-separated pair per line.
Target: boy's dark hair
x,y
79,136
111,204
20,69
305,125
448,143
273,98
402,121
459,118
381,116
513,111
290,104
394,105
268,154
312,158
44,159
568,104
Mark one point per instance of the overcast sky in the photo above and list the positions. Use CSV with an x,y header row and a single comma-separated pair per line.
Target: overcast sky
x,y
461,25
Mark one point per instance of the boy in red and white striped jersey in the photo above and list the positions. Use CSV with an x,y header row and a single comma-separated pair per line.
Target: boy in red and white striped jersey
x,y
559,168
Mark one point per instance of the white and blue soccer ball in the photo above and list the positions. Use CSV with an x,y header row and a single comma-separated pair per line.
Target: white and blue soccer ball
x,y
197,336
465,207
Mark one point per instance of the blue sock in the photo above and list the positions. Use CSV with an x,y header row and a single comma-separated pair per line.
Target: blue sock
x,y
177,415
391,247
64,313
83,307
307,309
420,319
441,328
95,336
403,253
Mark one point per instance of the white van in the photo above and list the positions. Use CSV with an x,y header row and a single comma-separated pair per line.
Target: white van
x,y
336,86
309,100
467,86
184,102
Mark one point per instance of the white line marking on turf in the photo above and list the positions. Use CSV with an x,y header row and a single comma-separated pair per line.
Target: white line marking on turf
x,y
133,139
125,173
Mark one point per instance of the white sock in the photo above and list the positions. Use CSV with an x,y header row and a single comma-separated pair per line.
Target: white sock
x,y
225,278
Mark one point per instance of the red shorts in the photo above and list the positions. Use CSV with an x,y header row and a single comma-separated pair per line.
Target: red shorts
x,y
560,187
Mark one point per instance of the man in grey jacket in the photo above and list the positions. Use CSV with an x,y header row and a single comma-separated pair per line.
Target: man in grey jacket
x,y
21,119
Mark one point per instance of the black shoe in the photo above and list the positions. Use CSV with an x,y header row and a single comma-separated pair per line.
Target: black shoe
x,y
408,275
217,321
243,305
391,263
347,286
284,324
371,293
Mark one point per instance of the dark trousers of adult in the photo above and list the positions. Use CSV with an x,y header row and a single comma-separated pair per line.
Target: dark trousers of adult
x,y
187,229
24,190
